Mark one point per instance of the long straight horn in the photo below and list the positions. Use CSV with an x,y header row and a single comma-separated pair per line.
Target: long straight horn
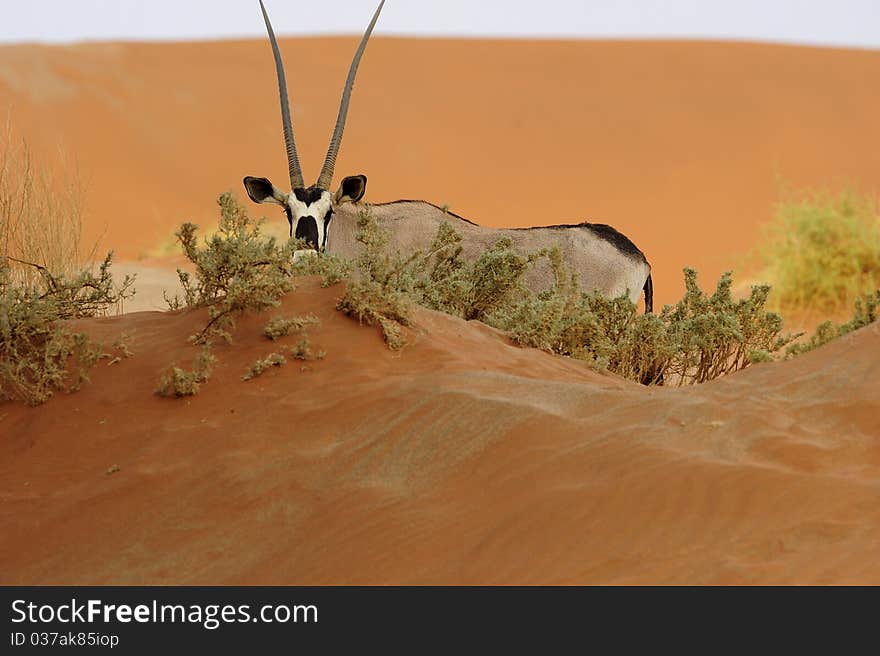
x,y
296,177
326,176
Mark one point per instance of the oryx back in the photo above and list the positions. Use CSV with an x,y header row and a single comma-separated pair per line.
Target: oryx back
x,y
604,259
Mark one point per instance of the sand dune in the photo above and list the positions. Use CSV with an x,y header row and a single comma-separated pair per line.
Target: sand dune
x,y
461,459
679,145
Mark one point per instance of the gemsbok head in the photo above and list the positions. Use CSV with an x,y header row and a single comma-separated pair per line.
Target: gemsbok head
x,y
310,208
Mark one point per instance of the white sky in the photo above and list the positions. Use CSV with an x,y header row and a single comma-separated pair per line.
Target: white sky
x,y
821,22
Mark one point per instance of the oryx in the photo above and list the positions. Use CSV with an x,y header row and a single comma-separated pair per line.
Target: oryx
x,y
605,260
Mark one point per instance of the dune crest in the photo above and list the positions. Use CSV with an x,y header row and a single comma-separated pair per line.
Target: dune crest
x,y
460,459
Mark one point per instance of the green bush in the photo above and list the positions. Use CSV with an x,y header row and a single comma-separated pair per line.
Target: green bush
x,y
36,348
282,326
821,251
699,338
236,270
443,281
331,268
864,313
177,382
384,285
717,335
260,366
379,293
44,279
303,351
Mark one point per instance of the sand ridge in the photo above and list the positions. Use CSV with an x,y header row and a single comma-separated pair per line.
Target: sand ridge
x,y
461,459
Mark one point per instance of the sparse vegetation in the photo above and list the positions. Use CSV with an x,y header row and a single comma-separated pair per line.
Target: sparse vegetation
x,y
123,345
303,351
237,269
698,339
864,313
177,382
331,268
260,366
443,281
379,291
43,282
283,326
37,352
821,251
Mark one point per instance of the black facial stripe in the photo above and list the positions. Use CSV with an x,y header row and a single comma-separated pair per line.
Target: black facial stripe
x,y
307,229
308,196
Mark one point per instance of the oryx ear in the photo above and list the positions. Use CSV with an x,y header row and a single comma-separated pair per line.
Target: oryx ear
x,y
352,189
262,191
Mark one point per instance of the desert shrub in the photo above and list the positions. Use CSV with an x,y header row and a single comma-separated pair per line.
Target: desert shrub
x,y
236,269
698,339
303,351
177,382
44,280
123,345
384,286
39,355
331,268
84,294
443,281
718,334
260,366
607,332
365,302
821,250
278,327
379,293
557,319
864,313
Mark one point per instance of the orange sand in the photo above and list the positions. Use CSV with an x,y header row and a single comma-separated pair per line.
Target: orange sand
x,y
461,459
679,145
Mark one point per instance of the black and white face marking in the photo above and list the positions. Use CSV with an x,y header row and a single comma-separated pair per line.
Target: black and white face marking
x,y
309,212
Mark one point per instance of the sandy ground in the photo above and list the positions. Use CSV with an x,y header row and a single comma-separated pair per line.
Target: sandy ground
x,y
682,146
461,459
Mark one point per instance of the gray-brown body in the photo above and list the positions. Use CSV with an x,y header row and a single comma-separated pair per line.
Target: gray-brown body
x,y
605,260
